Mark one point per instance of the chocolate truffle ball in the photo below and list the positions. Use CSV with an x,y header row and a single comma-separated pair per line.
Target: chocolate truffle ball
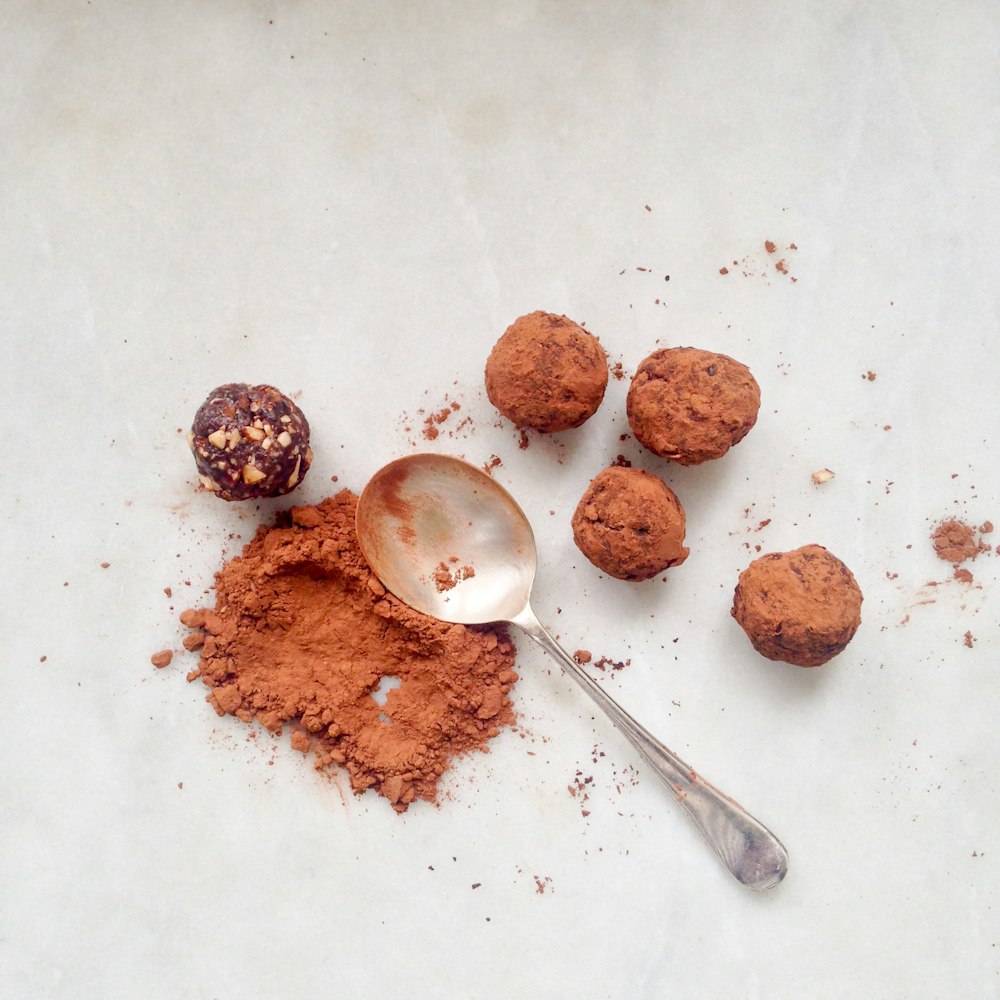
x,y
250,441
802,607
690,405
546,372
630,524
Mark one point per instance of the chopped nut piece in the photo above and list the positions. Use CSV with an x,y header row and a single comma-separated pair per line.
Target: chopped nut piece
x,y
208,484
252,475
284,439
294,477
218,438
234,437
821,476
285,419
254,433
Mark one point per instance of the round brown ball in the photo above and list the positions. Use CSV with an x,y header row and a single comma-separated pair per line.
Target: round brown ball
x,y
249,442
630,524
546,372
802,607
690,405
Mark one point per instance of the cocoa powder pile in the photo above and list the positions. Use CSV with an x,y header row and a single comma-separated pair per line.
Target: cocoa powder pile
x,y
303,633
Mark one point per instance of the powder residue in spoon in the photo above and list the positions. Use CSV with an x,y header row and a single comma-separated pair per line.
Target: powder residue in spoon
x,y
304,635
447,577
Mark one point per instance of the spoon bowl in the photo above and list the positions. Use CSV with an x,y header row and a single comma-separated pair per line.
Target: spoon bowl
x,y
426,518
449,541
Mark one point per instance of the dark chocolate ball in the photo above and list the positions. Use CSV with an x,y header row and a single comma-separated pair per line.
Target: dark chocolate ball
x,y
250,441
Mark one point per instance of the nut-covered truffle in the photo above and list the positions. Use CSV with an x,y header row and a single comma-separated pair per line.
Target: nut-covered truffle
x,y
802,607
690,405
250,441
546,372
630,524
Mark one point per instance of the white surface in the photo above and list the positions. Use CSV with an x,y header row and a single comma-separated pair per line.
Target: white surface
x,y
354,202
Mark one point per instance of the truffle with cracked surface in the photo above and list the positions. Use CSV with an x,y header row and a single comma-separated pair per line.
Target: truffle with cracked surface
x,y
690,405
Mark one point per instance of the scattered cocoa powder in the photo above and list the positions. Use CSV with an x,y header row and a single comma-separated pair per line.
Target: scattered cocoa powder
x,y
303,632
433,420
954,541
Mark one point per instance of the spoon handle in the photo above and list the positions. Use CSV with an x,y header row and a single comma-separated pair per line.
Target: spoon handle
x,y
752,854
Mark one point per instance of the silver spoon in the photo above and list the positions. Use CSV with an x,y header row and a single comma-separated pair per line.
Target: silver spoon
x,y
419,513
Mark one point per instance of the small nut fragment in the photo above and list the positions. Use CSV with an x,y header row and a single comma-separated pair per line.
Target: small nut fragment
x,y
208,484
309,454
285,419
254,433
234,437
821,476
294,477
284,439
218,438
252,475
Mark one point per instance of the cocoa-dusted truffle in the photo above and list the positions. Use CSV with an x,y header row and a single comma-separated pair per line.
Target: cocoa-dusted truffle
x,y
802,607
546,372
250,441
690,405
630,524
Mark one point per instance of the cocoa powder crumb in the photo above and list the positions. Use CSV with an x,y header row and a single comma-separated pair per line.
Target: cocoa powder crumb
x,y
955,541
162,658
582,656
969,639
